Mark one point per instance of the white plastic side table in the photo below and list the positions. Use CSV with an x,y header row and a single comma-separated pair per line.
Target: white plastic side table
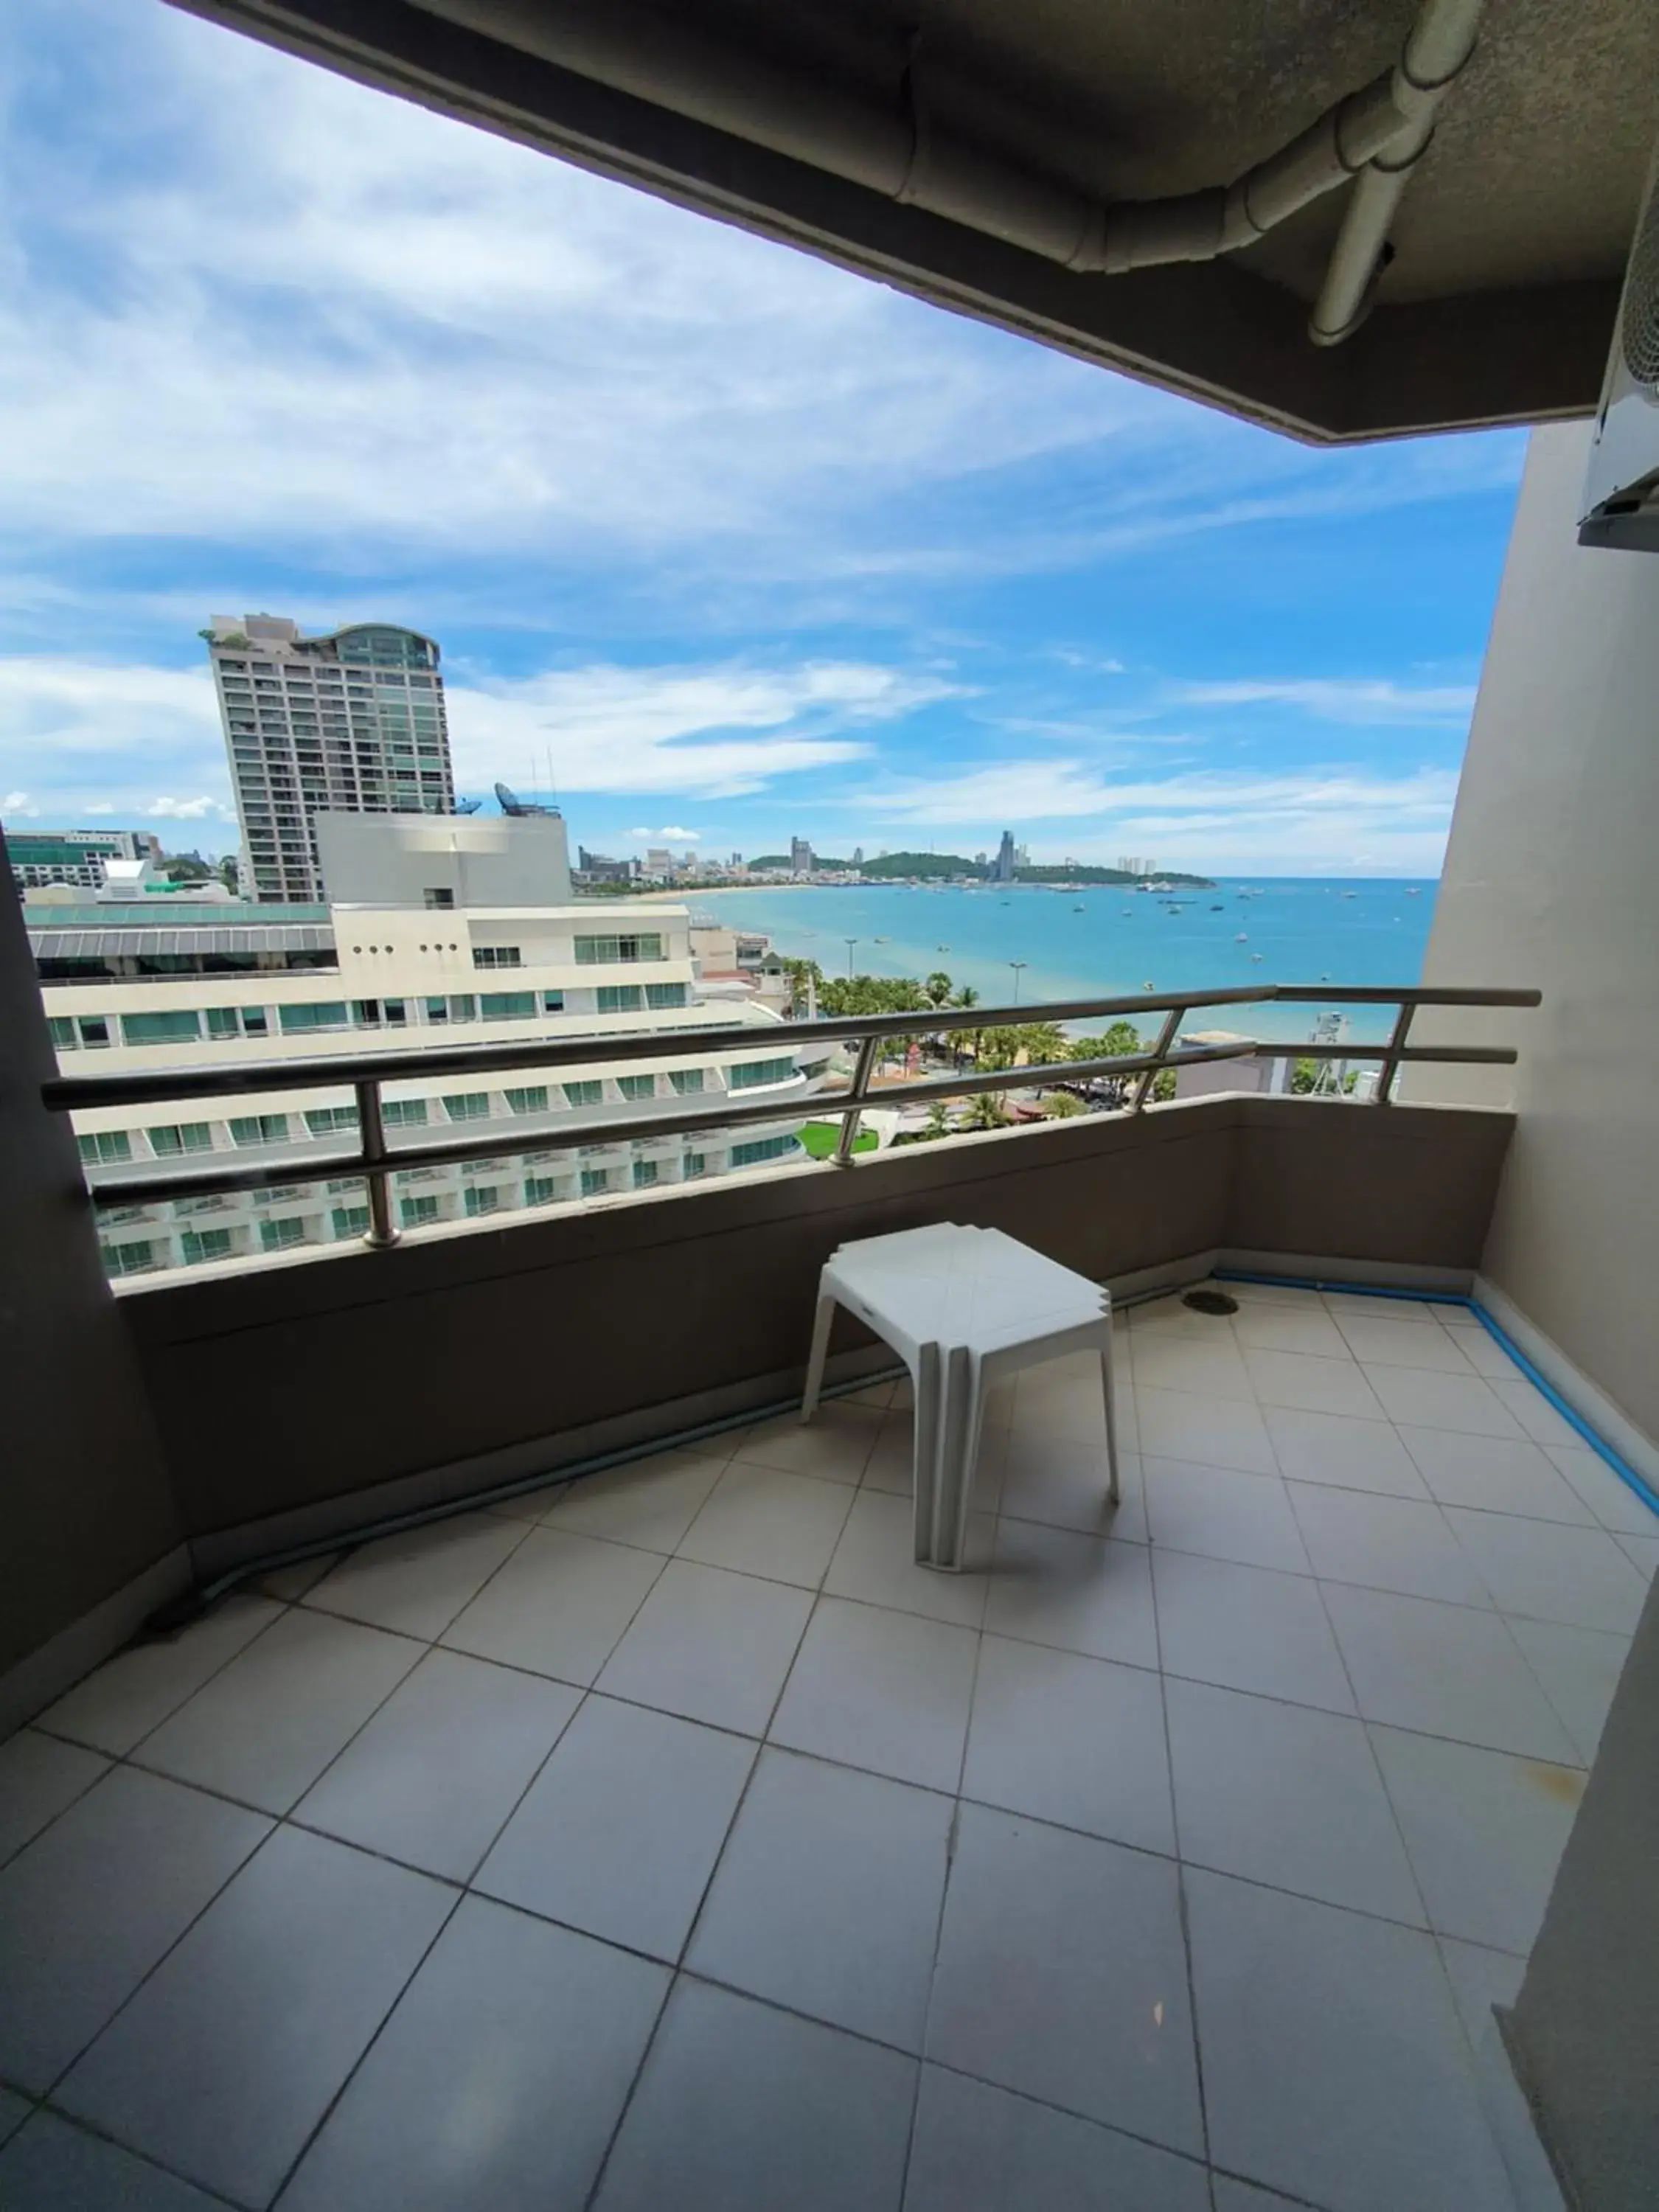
x,y
963,1308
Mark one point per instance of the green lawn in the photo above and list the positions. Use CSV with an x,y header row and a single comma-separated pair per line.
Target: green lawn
x,y
821,1137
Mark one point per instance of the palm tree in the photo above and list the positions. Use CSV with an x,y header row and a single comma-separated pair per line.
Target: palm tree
x,y
986,1112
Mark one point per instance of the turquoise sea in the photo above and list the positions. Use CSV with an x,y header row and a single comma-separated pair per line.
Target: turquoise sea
x,y
1105,942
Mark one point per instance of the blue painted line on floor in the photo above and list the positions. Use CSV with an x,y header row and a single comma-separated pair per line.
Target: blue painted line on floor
x,y
1547,1389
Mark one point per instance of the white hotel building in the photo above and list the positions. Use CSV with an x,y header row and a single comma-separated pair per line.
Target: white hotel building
x,y
448,946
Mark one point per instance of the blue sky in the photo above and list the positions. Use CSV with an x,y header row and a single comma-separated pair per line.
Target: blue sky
x,y
748,545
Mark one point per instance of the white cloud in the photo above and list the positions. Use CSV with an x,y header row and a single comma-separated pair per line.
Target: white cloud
x,y
89,729
17,802
1330,820
673,834
366,323
1343,699
617,729
184,810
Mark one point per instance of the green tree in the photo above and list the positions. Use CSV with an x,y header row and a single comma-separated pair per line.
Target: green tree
x,y
987,1112
1061,1105
938,988
1118,1042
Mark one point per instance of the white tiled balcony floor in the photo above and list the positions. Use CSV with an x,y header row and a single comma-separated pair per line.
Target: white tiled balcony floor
x,y
671,1843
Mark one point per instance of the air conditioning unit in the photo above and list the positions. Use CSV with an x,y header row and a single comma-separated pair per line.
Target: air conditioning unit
x,y
1622,491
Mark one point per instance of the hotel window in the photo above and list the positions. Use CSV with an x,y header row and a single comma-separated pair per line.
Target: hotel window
x,y
351,1220
619,998
330,1014
180,1137
462,1008
468,1106
436,901
395,1012
665,995
107,1149
366,1013
181,1027
748,1072
63,1033
259,1129
403,1113
552,1002
325,1120
637,1086
507,1006
256,1021
688,1081
601,952
537,1190
128,1258
414,1210
693,1165
594,1181
532,1101
95,1031
584,1094
497,955
644,1173
198,1245
278,1236
482,1199
764,1148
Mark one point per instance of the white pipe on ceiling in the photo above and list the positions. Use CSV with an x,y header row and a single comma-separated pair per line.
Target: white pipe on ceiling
x,y
894,146
1436,56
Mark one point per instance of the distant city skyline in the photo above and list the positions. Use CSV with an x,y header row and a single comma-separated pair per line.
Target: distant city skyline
x,y
311,350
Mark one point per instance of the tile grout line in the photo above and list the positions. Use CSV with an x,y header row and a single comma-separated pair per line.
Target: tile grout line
x,y
1182,1907
97,2133
355,2068
677,1969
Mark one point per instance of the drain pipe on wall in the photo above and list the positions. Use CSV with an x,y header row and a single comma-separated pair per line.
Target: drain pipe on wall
x,y
882,134
1436,54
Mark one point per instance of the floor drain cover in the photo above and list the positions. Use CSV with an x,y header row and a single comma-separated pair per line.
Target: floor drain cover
x,y
1210,1302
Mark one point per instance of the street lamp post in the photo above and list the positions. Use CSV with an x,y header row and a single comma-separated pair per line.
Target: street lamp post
x,y
850,942
1016,965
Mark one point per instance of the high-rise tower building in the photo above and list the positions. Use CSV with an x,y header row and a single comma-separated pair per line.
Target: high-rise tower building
x,y
350,722
1005,867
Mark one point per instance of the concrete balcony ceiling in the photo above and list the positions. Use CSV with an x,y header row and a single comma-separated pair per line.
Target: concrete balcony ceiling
x,y
848,133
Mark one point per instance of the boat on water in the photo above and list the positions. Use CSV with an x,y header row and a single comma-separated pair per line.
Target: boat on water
x,y
1255,956
1079,909
1349,895
1241,938
1412,892
1218,909
1149,986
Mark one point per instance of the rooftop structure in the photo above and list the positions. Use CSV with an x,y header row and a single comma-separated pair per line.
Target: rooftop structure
x,y
77,857
350,721
134,992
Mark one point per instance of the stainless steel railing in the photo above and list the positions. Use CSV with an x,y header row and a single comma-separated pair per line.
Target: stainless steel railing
x,y
375,1159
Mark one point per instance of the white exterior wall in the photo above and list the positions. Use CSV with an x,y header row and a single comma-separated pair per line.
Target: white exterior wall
x,y
485,860
1551,881
391,954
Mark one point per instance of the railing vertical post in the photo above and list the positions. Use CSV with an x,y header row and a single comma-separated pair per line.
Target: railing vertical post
x,y
849,1122
1166,1037
371,1124
1390,1068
